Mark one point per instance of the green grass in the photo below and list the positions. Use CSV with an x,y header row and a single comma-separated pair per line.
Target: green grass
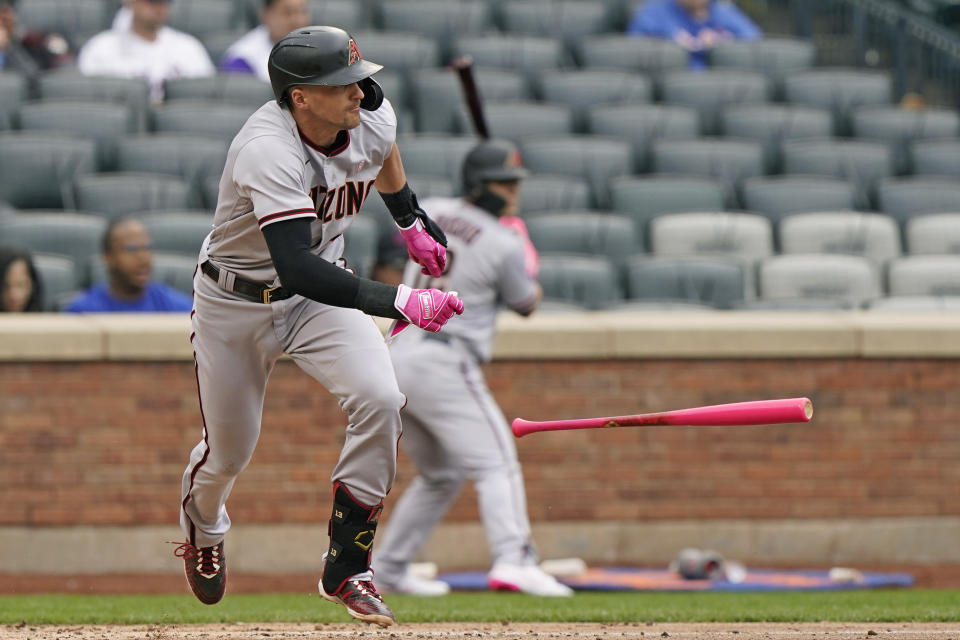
x,y
914,605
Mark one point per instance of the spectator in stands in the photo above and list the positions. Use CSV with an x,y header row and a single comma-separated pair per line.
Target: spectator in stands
x,y
277,18
147,49
27,51
22,289
128,255
695,25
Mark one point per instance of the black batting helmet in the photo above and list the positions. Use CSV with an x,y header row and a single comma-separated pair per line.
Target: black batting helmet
x,y
491,160
322,56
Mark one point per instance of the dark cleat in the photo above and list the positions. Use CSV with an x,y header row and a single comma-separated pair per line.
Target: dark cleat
x,y
361,599
206,569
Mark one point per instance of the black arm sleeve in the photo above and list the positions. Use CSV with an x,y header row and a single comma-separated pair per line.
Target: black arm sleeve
x,y
309,275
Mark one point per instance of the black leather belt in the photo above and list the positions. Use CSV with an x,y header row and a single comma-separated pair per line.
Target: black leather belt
x,y
254,291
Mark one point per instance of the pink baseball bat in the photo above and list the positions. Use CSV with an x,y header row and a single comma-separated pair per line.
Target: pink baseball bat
x,y
781,411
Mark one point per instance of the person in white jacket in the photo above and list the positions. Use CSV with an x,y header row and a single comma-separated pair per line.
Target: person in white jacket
x,y
145,48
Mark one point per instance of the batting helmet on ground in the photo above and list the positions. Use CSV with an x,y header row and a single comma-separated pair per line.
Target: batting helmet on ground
x,y
322,56
491,160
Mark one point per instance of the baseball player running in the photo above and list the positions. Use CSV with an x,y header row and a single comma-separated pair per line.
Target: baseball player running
x,y
453,428
272,281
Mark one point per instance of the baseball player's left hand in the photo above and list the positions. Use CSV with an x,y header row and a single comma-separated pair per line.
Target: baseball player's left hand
x,y
428,309
424,249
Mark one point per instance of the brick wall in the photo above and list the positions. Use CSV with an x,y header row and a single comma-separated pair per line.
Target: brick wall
x,y
106,442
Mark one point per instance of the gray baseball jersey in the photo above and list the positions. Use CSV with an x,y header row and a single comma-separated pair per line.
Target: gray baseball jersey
x,y
453,429
273,174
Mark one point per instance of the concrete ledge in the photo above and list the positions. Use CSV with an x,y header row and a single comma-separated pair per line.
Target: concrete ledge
x,y
279,549
548,336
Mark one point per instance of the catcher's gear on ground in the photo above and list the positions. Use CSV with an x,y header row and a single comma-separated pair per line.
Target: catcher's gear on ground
x,y
322,56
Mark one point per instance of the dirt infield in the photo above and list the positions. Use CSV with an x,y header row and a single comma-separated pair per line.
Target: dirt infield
x,y
507,631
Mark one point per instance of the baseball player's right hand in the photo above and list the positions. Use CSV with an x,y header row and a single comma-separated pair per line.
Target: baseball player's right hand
x,y
428,309
424,248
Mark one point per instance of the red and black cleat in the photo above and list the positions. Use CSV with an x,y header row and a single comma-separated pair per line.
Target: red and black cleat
x,y
361,599
206,569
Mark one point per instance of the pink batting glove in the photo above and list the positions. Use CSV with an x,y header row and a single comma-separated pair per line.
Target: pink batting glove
x,y
531,259
424,250
428,309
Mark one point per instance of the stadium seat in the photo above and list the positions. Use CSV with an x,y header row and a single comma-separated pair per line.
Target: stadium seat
x,y
76,20
58,279
189,157
588,281
779,196
595,159
176,270
104,123
847,280
37,168
424,185
347,14
118,194
201,17
924,276
178,231
517,120
568,20
645,198
69,84
775,57
74,235
729,161
710,92
839,89
209,192
915,303
201,117
395,88
743,237
545,193
238,89
862,163
599,234
13,92
900,127
643,124
441,21
871,235
629,53
936,157
934,233
904,198
360,245
589,88
527,54
772,124
435,155
402,52
747,236
437,96
714,281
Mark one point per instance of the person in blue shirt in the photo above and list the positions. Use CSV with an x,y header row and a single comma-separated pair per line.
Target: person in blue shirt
x,y
128,256
695,25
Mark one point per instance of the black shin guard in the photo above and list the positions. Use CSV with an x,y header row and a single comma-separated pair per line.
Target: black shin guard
x,y
352,528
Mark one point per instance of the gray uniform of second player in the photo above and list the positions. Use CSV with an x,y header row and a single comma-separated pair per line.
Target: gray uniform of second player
x,y
453,428
273,174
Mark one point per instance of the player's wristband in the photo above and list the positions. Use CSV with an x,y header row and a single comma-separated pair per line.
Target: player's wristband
x,y
405,209
402,206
